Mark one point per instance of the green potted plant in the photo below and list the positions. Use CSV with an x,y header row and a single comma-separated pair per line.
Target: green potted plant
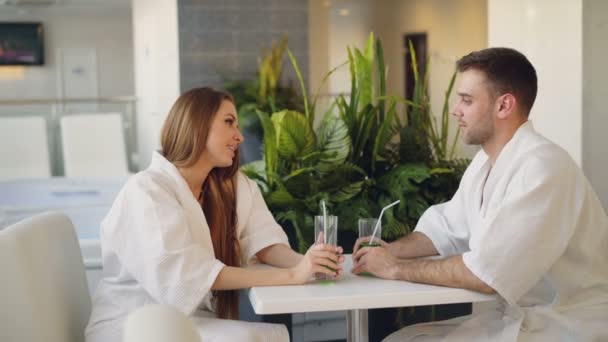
x,y
362,156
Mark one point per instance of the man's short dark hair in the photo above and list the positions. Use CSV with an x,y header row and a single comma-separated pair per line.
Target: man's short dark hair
x,y
507,70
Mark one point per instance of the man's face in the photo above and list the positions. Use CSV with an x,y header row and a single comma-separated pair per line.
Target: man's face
x,y
474,108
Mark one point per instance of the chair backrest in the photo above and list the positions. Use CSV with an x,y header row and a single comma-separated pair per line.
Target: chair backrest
x,y
93,145
24,151
43,291
159,323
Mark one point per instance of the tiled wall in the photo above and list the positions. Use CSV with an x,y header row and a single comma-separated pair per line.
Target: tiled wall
x,y
221,40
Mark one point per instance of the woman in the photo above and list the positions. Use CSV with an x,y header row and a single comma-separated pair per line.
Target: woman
x,y
179,231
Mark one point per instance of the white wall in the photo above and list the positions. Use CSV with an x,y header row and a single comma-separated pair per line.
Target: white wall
x,y
106,30
318,42
595,93
549,33
349,24
453,28
157,82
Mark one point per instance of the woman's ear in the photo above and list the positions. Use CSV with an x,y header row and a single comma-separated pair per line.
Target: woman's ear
x,y
507,103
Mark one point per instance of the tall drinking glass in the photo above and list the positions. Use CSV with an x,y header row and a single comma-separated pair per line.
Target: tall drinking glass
x,y
331,227
366,228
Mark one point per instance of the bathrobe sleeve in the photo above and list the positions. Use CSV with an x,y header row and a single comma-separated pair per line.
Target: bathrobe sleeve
x,y
260,229
148,230
446,226
524,236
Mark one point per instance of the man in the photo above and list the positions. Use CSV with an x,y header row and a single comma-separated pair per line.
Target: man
x,y
524,223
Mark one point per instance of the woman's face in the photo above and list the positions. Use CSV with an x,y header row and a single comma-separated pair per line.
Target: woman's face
x,y
224,137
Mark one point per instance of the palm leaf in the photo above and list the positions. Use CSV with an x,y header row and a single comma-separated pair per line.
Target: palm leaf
x,y
365,84
270,145
309,116
381,78
384,134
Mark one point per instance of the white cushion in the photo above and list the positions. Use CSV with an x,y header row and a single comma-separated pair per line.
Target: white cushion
x,y
93,145
24,151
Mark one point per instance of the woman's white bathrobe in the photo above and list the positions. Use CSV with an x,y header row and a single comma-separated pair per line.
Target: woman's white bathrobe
x,y
535,232
156,248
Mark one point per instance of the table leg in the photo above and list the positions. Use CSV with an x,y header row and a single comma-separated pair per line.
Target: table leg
x,y
356,324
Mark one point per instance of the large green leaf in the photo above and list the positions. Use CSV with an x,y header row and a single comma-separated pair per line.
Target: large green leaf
x,y
300,183
333,141
353,85
414,146
385,134
347,192
295,137
281,198
256,170
343,182
364,64
404,179
364,78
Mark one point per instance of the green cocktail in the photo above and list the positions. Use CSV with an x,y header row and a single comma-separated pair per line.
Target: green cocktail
x,y
370,244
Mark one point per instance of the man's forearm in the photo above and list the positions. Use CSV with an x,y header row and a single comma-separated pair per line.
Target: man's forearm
x,y
450,272
413,245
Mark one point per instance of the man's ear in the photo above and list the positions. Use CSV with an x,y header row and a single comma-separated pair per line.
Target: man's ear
x,y
507,103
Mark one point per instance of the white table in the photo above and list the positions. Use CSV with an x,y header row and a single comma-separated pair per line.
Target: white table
x,y
355,294
84,201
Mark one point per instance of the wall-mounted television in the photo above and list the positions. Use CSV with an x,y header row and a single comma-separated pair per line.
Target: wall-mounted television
x,y
21,44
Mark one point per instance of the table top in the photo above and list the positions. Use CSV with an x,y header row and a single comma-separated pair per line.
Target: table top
x,y
57,192
355,292
84,201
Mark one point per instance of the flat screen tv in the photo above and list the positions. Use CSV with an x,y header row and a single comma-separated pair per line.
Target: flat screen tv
x,y
21,44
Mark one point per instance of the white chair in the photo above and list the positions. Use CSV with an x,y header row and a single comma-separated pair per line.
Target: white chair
x,y
43,291
93,145
159,323
24,151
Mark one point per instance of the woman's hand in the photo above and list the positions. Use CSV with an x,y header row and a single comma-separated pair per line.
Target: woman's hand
x,y
319,258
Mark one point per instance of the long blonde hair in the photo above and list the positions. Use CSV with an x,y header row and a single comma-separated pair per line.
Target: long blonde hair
x,y
183,139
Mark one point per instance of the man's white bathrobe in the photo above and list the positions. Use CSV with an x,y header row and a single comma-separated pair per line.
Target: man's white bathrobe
x,y
533,229
156,248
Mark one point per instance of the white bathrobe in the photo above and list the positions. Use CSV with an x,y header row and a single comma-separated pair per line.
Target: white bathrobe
x,y
156,248
533,229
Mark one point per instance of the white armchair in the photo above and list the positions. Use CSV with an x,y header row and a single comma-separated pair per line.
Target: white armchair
x,y
44,294
43,291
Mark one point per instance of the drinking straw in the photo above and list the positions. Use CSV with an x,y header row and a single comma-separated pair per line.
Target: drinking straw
x,y
324,221
380,218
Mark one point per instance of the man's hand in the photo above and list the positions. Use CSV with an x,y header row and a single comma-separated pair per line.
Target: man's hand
x,y
366,241
375,260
